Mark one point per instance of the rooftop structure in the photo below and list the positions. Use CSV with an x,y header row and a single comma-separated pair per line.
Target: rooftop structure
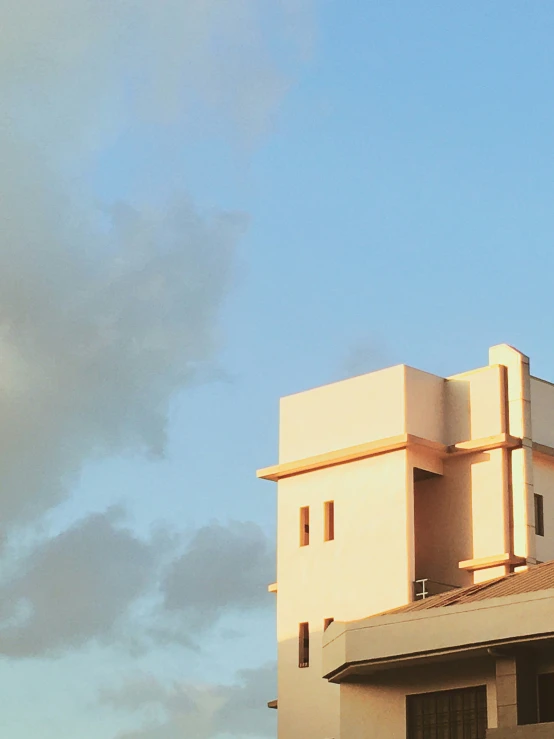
x,y
395,486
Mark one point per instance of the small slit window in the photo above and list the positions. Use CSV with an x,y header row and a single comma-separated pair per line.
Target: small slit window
x,y
539,515
304,526
304,645
329,511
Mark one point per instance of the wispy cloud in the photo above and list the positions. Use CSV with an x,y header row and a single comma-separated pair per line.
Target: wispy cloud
x,y
177,710
224,567
88,582
107,310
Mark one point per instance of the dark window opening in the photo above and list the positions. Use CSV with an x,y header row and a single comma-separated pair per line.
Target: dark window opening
x,y
546,698
304,645
449,714
329,533
539,515
304,526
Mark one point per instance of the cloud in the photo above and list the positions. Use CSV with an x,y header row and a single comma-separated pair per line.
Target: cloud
x,y
75,587
224,567
90,65
98,581
106,311
171,711
93,344
367,354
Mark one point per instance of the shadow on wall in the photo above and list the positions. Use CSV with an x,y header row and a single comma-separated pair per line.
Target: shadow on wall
x,y
444,521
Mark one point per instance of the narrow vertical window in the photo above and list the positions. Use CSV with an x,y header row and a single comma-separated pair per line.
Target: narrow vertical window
x,y
329,531
304,526
327,623
304,645
539,515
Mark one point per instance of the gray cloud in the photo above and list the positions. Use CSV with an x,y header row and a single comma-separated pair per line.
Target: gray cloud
x,y
200,711
367,354
106,312
223,567
75,587
89,65
94,344
84,584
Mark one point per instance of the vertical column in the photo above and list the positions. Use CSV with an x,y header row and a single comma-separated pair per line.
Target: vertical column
x,y
521,467
506,691
516,689
410,525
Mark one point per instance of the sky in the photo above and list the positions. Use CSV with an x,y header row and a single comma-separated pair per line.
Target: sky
x,y
207,205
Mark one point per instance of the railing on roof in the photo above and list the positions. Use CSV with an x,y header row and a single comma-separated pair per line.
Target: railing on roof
x,y
425,588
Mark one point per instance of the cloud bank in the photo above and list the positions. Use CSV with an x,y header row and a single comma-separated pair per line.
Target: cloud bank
x,y
107,310
200,711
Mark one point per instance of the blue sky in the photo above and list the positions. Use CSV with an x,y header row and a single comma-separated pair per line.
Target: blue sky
x,y
389,165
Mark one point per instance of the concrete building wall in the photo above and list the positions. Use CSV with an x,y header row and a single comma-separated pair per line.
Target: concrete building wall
x,y
343,414
367,568
443,524
475,404
542,411
381,703
461,515
425,394
543,473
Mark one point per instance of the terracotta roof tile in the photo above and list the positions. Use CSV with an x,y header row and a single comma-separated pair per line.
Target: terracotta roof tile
x,y
537,577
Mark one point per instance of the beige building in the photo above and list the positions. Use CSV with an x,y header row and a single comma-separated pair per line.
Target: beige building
x,y
471,663
392,487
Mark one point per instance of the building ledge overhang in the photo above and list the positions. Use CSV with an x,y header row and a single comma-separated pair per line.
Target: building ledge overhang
x,y
398,640
349,672
497,560
385,446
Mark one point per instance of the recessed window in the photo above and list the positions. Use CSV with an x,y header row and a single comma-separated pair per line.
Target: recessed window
x,y
304,645
329,511
539,515
449,713
304,526
327,623
546,698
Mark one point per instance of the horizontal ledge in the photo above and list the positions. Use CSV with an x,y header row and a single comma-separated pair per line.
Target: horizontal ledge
x,y
272,588
496,560
383,446
369,666
487,443
349,454
272,704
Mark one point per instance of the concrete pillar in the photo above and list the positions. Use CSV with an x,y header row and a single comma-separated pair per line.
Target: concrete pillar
x,y
519,425
506,691
516,689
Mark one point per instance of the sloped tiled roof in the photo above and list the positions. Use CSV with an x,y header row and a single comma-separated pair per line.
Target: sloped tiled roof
x,y
537,577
